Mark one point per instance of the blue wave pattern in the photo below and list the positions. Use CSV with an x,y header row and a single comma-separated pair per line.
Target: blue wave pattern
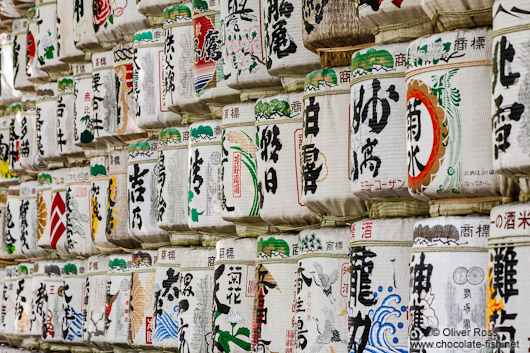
x,y
380,339
75,328
166,326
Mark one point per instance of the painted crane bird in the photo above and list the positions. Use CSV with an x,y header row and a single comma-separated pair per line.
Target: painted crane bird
x,y
327,332
325,281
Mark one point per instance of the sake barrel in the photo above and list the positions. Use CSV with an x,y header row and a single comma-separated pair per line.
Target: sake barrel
x,y
142,187
118,295
279,120
208,76
104,108
444,161
233,294
273,321
58,224
8,93
510,104
123,67
47,48
153,8
75,273
141,305
151,105
2,291
20,40
44,201
83,94
95,300
12,239
205,168
196,292
284,49
380,251
377,154
14,135
505,292
240,176
35,74
325,172
26,125
28,220
179,54
394,21
24,297
168,303
3,250
8,12
127,18
7,175
38,299
77,200
99,196
243,46
53,303
117,213
107,32
172,186
322,290
330,24
66,50
448,275
65,118
47,138
8,314
84,32
451,15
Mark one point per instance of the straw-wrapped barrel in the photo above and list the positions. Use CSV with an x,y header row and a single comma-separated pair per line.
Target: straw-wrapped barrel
x,y
142,189
172,214
331,24
275,293
66,50
66,118
74,275
380,252
47,46
168,302
322,290
378,156
279,121
151,105
77,202
448,270
448,108
325,169
450,15
196,292
394,21
179,56
20,40
117,221
83,129
118,295
205,180
233,294
124,76
141,305
47,139
104,108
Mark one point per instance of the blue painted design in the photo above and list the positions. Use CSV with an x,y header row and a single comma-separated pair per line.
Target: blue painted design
x,y
381,331
75,329
166,327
